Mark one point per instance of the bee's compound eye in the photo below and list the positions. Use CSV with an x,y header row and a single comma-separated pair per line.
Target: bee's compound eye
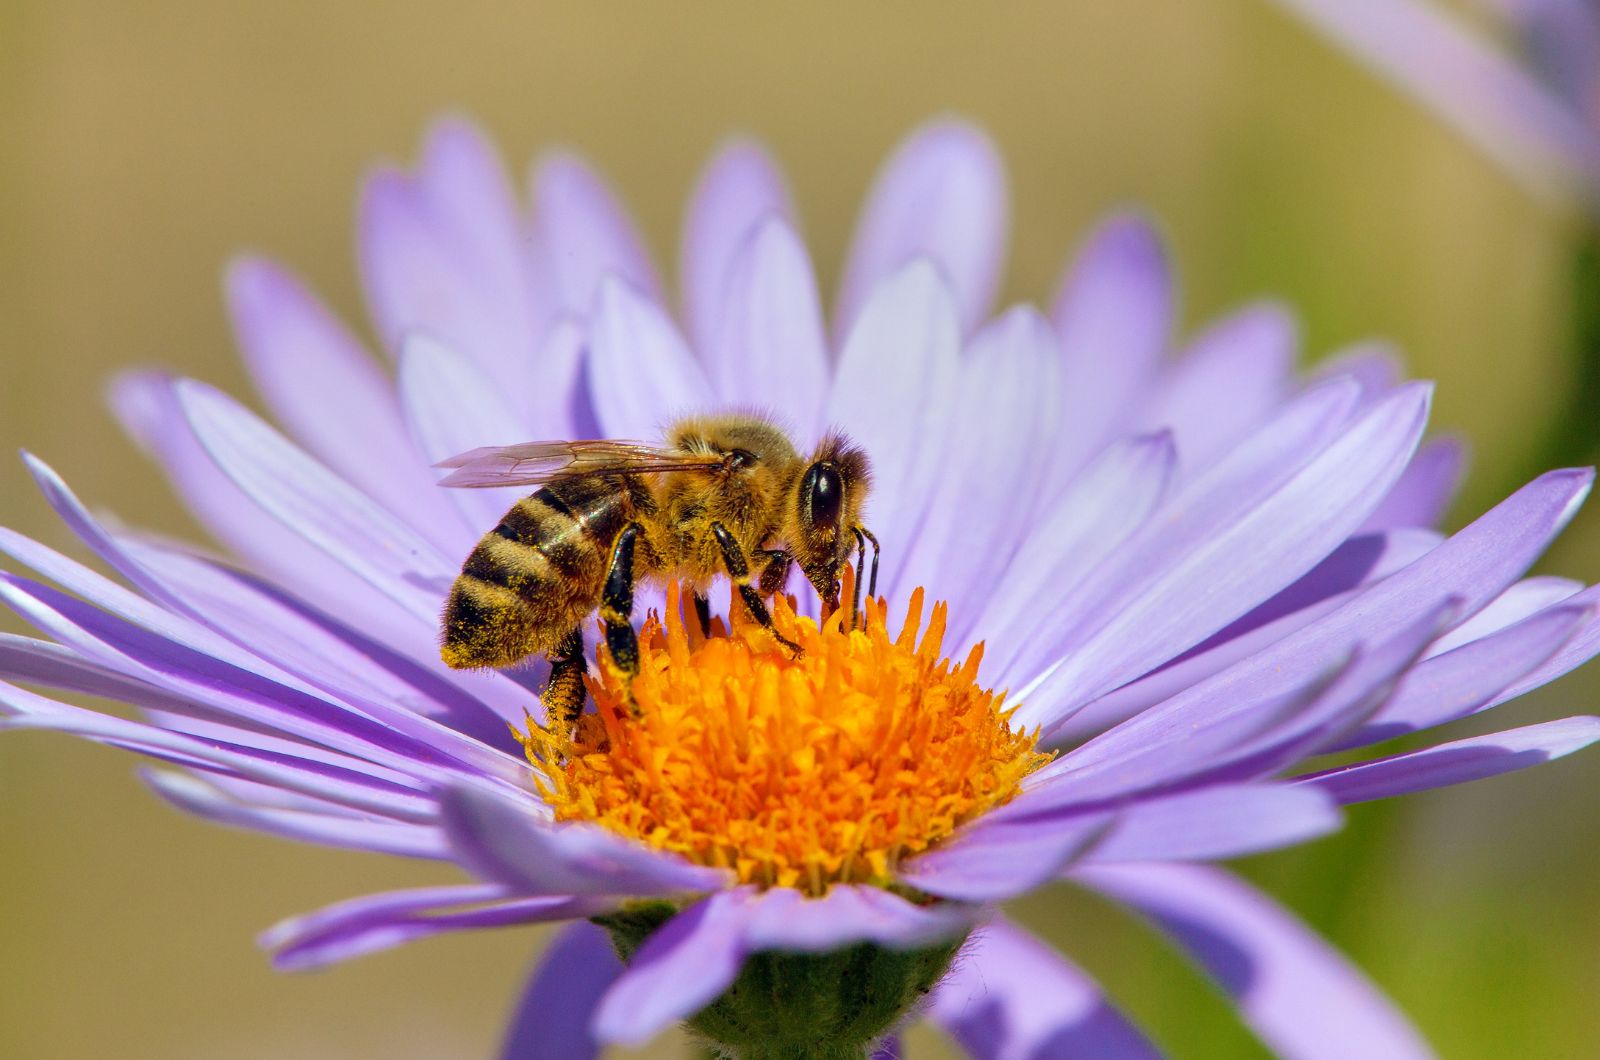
x,y
823,495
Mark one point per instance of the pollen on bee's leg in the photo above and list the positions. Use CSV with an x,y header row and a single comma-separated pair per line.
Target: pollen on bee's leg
x,y
830,767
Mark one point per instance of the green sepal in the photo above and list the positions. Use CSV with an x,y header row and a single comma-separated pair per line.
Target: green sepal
x,y
789,1006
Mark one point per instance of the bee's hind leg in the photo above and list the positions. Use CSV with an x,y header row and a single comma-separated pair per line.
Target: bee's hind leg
x,y
739,570
616,606
564,693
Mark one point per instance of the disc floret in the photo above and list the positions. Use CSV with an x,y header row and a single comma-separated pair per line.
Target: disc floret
x,y
830,766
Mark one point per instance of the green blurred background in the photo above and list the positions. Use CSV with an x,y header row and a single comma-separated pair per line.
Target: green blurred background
x,y
144,143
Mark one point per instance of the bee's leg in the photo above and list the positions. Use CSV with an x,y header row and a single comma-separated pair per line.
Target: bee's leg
x,y
856,618
872,582
564,693
739,571
616,603
776,571
702,611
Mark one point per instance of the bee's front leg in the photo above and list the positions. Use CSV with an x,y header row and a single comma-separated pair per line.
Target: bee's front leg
x,y
776,571
739,570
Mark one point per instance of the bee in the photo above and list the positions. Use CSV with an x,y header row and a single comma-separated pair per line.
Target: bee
x,y
724,495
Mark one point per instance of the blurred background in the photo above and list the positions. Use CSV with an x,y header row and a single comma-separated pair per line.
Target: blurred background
x,y
145,143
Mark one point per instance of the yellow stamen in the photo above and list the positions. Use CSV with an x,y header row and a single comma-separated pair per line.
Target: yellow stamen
x,y
796,772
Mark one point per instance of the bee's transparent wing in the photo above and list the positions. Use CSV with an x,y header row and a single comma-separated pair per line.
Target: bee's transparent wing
x,y
535,463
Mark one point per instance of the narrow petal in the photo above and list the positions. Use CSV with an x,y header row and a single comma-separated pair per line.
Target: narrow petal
x,y
554,1015
1241,363
632,339
769,350
194,796
1431,55
511,840
942,197
377,922
1458,762
1010,997
983,501
288,338
1474,566
1195,584
1579,649
784,919
1304,1000
890,393
146,404
329,513
1110,500
1114,315
451,406
740,188
992,860
681,968
585,234
1426,489
1519,601
1211,823
1462,681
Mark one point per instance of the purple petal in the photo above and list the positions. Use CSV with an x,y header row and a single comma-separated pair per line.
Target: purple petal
x,y
981,504
1433,57
942,197
1458,762
1582,647
1233,739
992,859
1242,364
379,837
329,513
1303,999
1426,488
890,393
148,408
1105,504
1360,561
1008,997
681,968
1463,681
1186,579
632,339
334,780
1375,365
430,262
784,919
1223,821
288,337
739,189
451,406
376,922
1519,601
554,1014
511,840
586,235
1475,565
769,350
1114,315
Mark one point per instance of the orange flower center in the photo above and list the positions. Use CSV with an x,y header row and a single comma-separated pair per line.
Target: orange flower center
x,y
829,767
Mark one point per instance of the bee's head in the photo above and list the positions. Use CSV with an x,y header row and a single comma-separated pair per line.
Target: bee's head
x,y
825,508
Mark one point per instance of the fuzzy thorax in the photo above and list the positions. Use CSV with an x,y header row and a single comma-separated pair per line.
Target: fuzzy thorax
x,y
829,767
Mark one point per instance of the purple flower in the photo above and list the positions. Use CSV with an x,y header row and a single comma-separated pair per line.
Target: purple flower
x,y
1532,104
1208,569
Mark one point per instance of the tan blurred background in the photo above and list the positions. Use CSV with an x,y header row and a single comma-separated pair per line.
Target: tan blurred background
x,y
141,144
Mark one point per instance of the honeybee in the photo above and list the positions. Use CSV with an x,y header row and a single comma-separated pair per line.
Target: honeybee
x,y
724,494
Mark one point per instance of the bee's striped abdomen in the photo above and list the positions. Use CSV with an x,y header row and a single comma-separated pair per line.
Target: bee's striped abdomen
x,y
536,575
